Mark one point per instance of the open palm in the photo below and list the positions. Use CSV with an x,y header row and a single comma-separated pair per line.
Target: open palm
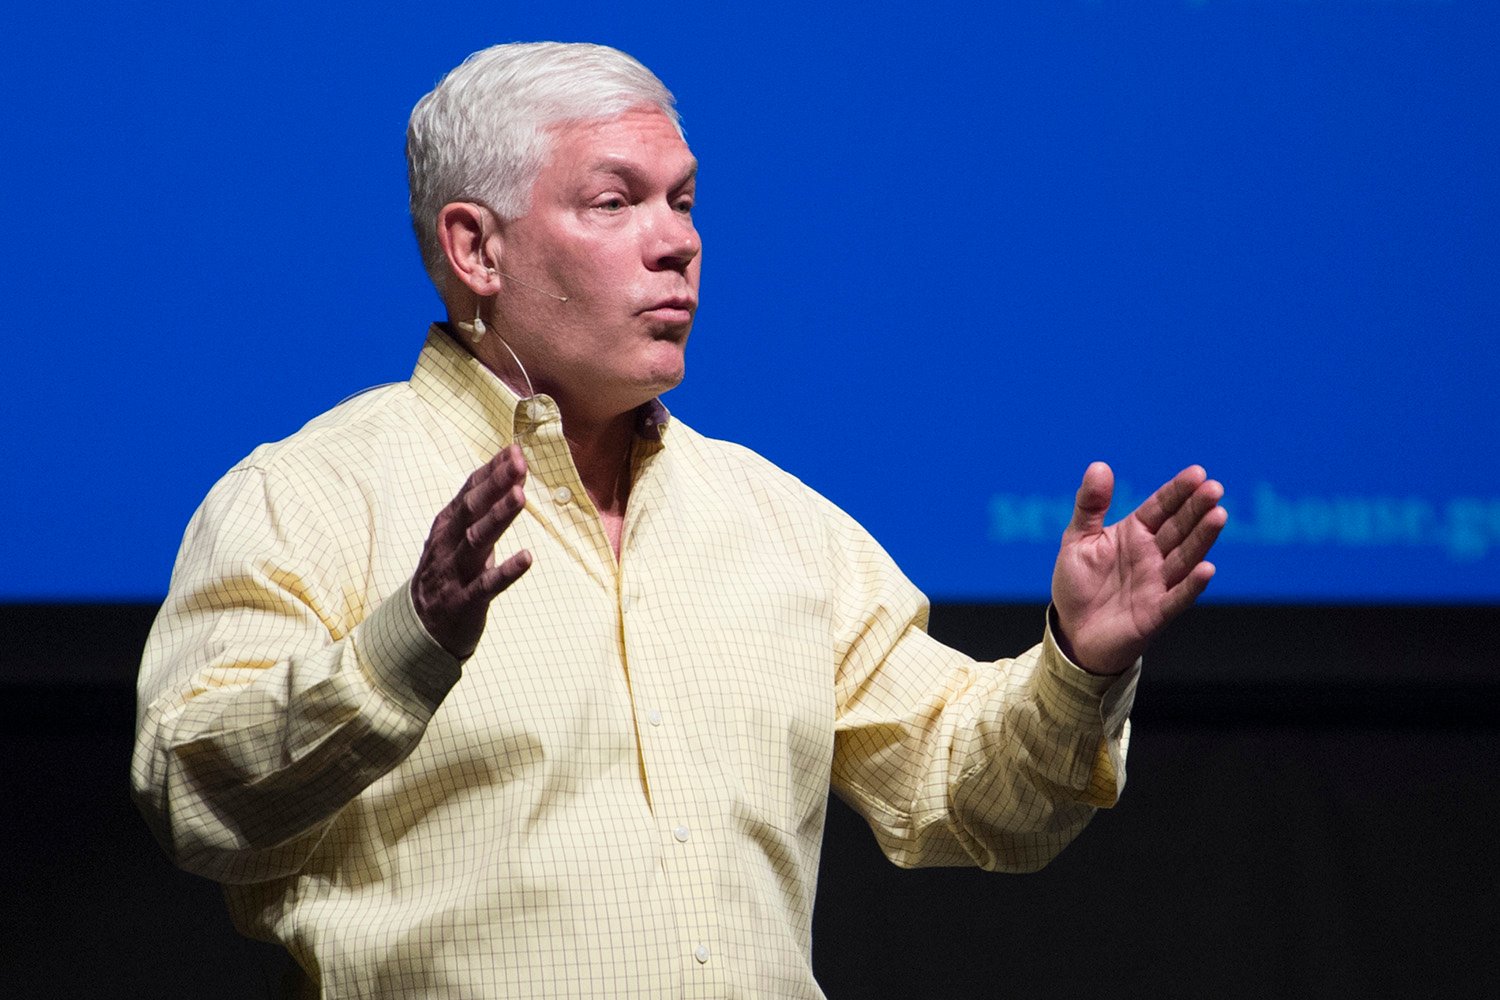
x,y
1114,588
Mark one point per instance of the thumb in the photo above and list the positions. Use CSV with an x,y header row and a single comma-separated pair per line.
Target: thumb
x,y
1092,502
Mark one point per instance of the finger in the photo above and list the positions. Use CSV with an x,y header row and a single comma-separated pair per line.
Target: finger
x,y
1181,561
1172,495
485,508
490,482
477,494
481,536
495,579
1202,500
1181,597
1092,501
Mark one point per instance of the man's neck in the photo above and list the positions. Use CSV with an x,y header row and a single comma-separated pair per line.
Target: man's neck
x,y
601,453
601,448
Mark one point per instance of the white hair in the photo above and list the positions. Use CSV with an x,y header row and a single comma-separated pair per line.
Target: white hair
x,y
484,132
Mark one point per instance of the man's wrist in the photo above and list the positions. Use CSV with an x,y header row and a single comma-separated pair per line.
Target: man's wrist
x,y
1089,661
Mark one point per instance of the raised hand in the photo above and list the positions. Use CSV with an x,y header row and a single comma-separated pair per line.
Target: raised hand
x,y
1115,588
457,578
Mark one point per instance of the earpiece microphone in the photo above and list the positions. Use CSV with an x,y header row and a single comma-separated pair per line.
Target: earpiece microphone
x,y
550,295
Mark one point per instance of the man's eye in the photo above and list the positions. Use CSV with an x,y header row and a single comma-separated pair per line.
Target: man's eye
x,y
685,205
613,204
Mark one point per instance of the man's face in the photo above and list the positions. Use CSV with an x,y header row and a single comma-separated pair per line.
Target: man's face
x,y
611,228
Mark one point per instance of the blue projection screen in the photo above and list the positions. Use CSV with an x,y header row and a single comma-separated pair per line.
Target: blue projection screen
x,y
953,254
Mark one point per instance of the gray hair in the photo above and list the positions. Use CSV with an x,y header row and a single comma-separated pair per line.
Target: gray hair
x,y
483,133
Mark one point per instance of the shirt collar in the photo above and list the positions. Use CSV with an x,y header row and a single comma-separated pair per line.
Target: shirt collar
x,y
487,411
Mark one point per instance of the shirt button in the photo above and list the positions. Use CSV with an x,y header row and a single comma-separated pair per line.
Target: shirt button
x,y
562,494
654,717
681,833
701,953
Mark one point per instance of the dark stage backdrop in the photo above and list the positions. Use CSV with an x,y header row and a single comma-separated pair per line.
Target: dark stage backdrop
x,y
1319,826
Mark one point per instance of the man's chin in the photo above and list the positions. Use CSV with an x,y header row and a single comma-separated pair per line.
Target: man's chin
x,y
667,364
667,381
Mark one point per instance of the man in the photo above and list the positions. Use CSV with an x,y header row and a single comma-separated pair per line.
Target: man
x,y
573,735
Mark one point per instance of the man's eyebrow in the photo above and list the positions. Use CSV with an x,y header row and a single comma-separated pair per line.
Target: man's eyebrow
x,y
629,171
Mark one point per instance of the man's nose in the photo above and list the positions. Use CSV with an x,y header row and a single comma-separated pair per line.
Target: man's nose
x,y
672,240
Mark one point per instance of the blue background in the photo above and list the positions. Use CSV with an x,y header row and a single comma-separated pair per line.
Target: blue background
x,y
952,255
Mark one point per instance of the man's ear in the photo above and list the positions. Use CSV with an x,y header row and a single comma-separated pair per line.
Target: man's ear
x,y
471,241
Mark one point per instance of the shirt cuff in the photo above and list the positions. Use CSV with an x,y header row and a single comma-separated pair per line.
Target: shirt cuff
x,y
1083,698
404,662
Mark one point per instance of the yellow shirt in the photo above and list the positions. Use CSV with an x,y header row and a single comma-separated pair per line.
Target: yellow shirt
x,y
622,792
